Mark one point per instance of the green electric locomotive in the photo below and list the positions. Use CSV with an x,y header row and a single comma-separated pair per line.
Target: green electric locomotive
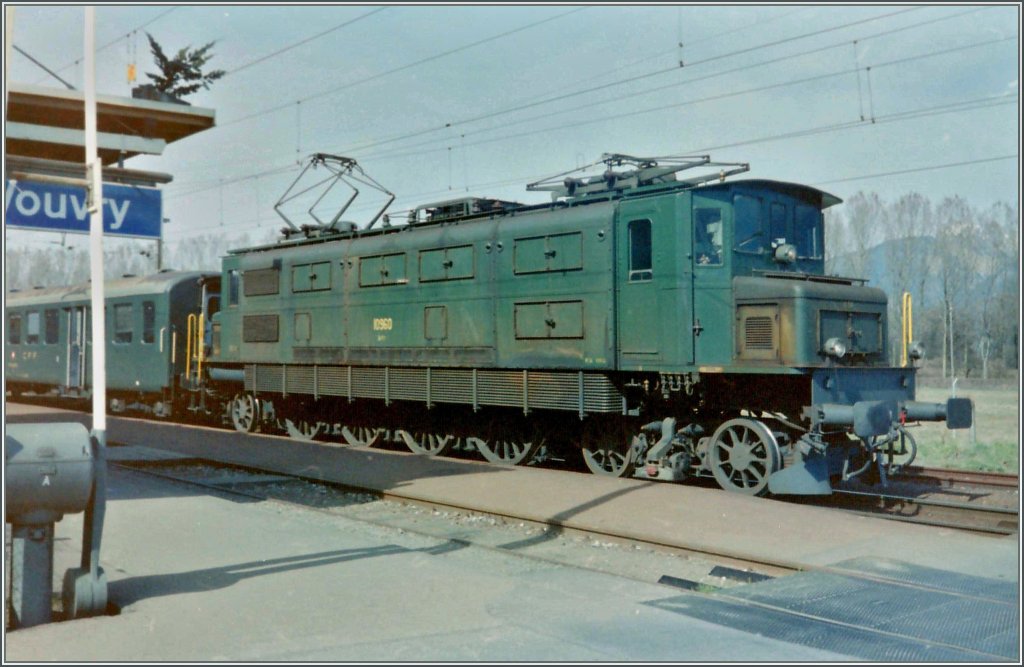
x,y
665,325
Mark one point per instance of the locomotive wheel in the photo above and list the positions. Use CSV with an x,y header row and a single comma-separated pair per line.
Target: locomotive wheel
x,y
505,445
245,413
610,449
430,444
742,455
301,429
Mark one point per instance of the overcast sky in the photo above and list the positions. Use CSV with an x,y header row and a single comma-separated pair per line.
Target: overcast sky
x,y
441,102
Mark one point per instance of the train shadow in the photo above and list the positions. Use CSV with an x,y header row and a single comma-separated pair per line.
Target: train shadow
x,y
129,590
558,520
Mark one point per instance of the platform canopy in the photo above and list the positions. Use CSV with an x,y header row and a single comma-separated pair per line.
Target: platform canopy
x,y
46,126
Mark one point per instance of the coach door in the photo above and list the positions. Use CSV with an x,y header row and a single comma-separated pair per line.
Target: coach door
x,y
77,325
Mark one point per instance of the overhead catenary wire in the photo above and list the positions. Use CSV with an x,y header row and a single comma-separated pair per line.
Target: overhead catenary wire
x,y
357,148
417,63
910,114
307,40
118,38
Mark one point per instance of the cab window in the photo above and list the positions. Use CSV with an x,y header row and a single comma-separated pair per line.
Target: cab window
x,y
808,232
778,222
749,224
708,232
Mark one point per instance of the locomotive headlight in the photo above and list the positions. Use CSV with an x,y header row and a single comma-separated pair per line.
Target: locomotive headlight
x,y
834,347
785,253
915,350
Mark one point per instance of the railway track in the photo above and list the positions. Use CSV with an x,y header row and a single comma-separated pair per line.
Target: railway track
x,y
909,499
969,516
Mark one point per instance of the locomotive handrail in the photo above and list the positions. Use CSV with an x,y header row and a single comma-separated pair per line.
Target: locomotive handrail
x,y
648,171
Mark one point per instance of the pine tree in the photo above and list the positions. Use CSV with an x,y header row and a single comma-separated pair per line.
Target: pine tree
x,y
183,74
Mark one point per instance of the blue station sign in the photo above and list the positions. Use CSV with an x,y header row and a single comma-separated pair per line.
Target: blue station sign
x,y
127,210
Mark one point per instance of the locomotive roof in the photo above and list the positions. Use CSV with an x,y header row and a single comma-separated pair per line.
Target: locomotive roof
x,y
820,198
157,283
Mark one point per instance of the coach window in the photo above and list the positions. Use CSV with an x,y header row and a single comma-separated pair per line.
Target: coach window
x,y
640,265
708,231
148,322
14,329
51,322
32,333
122,323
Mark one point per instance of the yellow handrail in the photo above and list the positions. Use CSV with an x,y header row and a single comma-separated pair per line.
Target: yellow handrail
x,y
201,347
908,326
191,321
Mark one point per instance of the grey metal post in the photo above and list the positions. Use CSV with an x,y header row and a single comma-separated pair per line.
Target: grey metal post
x,y
31,574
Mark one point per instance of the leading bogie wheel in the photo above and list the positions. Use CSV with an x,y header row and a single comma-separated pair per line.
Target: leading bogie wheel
x,y
245,413
742,455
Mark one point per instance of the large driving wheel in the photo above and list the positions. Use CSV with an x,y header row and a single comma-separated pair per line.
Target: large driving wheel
x,y
742,455
430,444
302,429
507,445
611,449
245,413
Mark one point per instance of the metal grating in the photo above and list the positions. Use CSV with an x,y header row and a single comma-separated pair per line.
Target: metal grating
x,y
408,384
332,380
758,333
268,378
367,382
959,620
299,380
549,390
821,634
953,582
450,385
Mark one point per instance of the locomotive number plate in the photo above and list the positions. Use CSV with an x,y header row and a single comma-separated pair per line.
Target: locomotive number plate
x,y
382,324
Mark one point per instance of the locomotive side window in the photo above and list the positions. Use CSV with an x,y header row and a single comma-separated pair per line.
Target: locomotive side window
x,y
749,224
778,221
640,258
14,329
148,322
234,281
123,323
52,326
808,232
708,230
32,335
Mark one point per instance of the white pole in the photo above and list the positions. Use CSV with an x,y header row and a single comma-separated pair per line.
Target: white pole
x,y
94,174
